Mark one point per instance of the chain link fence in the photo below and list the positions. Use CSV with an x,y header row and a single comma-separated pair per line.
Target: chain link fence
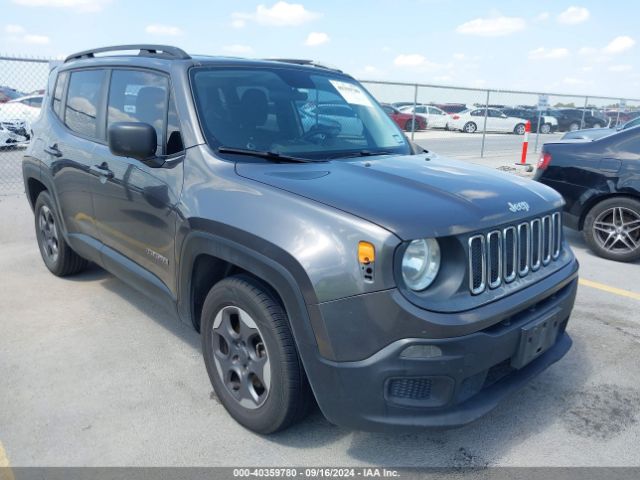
x,y
482,125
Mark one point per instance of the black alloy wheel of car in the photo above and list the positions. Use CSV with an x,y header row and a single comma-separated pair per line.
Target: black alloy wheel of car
x,y
57,255
251,356
612,229
545,128
520,129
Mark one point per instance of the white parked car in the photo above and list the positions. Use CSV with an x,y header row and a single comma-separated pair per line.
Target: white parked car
x,y
472,120
18,115
435,117
8,138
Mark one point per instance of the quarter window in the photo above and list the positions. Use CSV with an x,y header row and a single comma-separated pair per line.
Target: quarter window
x,y
58,92
81,110
136,96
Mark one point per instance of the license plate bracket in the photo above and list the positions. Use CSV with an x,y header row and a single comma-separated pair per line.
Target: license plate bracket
x,y
536,337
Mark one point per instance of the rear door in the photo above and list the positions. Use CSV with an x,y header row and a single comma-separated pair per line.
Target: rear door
x,y
135,203
69,144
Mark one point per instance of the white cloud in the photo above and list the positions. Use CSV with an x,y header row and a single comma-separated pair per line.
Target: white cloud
x,y
620,68
36,39
370,69
387,49
587,51
409,60
541,17
574,15
281,14
237,49
18,34
588,68
79,5
550,53
492,27
459,56
619,44
14,29
167,30
316,38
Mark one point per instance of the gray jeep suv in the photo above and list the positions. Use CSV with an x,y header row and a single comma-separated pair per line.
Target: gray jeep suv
x,y
323,258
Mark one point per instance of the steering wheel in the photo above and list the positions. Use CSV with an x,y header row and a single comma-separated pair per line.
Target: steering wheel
x,y
320,133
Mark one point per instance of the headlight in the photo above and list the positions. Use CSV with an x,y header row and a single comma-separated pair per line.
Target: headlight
x,y
420,263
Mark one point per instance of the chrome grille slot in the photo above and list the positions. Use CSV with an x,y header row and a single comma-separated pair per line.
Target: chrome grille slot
x,y
524,249
556,221
510,238
547,239
494,258
536,244
500,256
477,264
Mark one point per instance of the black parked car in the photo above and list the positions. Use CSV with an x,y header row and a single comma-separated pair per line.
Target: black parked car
x,y
594,133
600,182
572,119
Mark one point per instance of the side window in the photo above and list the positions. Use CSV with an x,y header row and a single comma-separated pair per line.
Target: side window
x,y
35,102
81,110
495,113
136,96
477,113
174,137
58,92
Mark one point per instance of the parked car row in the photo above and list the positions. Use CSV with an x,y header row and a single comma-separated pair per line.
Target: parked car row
x,y
16,117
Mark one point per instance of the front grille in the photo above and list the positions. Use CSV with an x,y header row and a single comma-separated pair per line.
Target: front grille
x,y
500,256
410,388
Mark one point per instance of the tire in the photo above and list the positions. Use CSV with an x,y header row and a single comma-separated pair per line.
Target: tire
x,y
408,126
251,356
470,127
612,229
596,125
519,129
573,126
545,128
57,255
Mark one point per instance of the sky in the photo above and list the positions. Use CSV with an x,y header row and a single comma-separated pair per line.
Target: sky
x,y
575,47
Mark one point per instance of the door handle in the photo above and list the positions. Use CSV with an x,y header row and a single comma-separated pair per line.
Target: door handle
x,y
101,170
53,151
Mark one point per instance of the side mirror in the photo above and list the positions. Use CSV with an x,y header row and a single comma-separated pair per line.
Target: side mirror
x,y
133,139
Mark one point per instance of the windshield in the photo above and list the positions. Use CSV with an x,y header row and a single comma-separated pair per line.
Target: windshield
x,y
293,112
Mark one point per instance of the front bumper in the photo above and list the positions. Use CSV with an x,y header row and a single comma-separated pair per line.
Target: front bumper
x,y
471,376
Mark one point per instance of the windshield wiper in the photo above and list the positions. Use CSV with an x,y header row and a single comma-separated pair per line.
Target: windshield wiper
x,y
273,156
362,153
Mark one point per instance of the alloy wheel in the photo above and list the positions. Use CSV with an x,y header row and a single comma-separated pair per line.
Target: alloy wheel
x,y
617,230
48,234
241,357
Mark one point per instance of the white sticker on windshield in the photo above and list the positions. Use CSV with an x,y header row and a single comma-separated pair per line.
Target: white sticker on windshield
x,y
353,94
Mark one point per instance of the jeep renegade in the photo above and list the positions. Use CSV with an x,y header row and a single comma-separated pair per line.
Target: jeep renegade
x,y
276,207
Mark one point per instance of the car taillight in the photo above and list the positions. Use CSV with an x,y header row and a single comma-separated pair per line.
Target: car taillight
x,y
456,117
544,161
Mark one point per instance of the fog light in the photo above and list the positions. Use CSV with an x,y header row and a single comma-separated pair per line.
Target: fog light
x,y
421,351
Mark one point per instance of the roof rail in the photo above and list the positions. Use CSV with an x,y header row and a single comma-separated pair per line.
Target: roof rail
x,y
297,61
164,51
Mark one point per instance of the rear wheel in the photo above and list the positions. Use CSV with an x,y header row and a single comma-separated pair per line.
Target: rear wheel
x,y
57,255
519,129
597,125
409,126
251,356
574,126
612,229
470,127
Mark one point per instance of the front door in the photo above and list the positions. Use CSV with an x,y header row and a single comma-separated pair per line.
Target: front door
x,y
134,203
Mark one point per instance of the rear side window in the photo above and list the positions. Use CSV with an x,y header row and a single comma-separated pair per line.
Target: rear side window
x,y
61,81
81,110
136,96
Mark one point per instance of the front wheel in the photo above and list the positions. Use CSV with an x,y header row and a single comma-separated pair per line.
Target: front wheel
x,y
597,125
574,126
612,229
251,356
519,129
470,127
545,128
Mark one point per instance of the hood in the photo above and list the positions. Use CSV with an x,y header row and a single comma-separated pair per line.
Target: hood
x,y
412,196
